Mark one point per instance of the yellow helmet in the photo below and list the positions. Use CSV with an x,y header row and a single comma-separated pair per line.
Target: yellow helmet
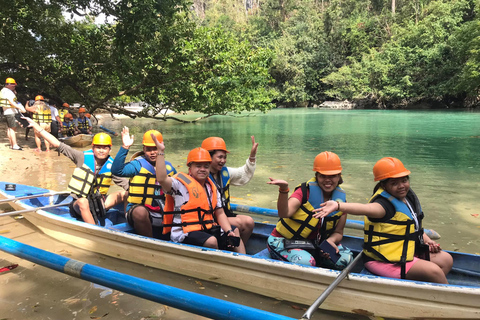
x,y
102,139
147,138
10,81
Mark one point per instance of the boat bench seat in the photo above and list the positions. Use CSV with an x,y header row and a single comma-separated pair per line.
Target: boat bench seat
x,y
264,254
121,227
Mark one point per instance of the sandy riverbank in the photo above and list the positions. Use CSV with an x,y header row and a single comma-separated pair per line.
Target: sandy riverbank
x,y
34,292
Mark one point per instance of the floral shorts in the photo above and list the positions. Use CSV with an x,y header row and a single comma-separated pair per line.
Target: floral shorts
x,y
303,257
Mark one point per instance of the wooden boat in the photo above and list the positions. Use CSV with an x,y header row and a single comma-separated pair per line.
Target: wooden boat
x,y
361,293
78,141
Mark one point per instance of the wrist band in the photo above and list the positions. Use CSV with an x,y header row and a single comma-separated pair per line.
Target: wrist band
x,y
338,205
160,154
283,191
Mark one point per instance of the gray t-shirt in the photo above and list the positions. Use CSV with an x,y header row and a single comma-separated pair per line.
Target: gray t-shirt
x,y
78,158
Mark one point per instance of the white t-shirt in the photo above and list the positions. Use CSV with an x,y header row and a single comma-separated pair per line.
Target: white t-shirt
x,y
8,94
181,196
54,112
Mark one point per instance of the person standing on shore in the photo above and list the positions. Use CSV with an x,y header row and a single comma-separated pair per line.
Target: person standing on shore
x,y
8,101
224,176
56,121
42,114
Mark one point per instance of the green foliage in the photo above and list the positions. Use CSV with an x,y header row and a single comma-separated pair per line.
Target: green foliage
x,y
418,62
153,52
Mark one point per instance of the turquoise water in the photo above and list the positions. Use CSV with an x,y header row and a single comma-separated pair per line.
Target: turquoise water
x,y
441,148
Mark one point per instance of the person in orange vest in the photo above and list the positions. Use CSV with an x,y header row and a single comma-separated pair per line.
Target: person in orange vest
x,y
192,209
395,245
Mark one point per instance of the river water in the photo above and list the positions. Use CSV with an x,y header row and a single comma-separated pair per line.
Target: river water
x,y
440,148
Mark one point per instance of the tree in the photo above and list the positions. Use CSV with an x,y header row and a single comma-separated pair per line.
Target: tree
x,y
153,52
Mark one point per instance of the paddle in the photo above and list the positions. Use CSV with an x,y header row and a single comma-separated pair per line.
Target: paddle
x,y
33,210
308,314
49,194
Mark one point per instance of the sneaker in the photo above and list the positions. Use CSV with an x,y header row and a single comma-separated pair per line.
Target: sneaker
x,y
17,148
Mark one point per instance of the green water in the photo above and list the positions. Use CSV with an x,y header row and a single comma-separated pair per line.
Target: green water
x,y
441,148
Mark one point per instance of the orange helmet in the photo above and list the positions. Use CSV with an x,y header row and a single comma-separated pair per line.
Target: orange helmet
x,y
327,163
198,155
214,143
88,115
147,138
69,116
102,139
66,105
82,110
10,81
39,98
389,167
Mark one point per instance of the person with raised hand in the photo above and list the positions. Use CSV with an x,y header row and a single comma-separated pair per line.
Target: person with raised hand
x,y
146,199
224,176
192,209
92,177
395,245
297,220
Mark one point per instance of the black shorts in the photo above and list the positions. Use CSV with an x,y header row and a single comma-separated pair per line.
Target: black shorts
x,y
11,122
198,238
74,212
77,215
157,231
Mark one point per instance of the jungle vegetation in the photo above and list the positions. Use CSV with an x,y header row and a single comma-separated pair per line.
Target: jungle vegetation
x,y
216,57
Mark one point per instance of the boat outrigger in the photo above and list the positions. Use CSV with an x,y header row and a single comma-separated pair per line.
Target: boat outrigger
x,y
362,293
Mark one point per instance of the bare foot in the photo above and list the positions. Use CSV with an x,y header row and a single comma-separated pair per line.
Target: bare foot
x,y
48,150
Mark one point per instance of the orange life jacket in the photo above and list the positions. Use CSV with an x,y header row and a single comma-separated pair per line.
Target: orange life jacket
x,y
197,213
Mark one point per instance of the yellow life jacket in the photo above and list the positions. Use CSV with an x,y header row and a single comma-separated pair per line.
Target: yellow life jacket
x,y
144,188
301,224
82,124
84,177
197,213
393,240
68,128
43,114
4,103
62,113
224,187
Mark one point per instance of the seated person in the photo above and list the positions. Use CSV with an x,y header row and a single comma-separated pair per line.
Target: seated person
x,y
224,176
192,204
297,221
146,199
92,176
82,123
68,127
395,245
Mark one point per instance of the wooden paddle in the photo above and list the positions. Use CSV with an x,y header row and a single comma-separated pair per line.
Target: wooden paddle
x,y
49,194
308,314
33,209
